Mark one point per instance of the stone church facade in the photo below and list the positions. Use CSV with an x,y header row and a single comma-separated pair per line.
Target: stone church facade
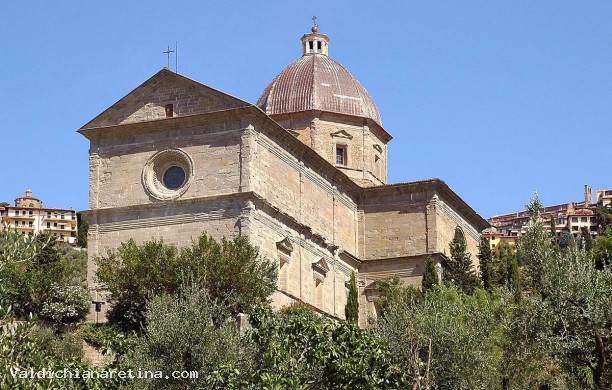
x,y
302,173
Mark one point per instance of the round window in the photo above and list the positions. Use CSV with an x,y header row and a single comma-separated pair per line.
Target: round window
x,y
174,177
167,174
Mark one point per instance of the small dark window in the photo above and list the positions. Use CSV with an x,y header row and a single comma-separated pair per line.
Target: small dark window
x,y
169,110
310,46
341,154
318,46
174,177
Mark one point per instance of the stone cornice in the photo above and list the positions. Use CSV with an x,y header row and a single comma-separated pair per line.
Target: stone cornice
x,y
235,197
164,123
399,259
358,121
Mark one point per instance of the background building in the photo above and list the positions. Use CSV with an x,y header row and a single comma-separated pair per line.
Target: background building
x,y
570,218
28,216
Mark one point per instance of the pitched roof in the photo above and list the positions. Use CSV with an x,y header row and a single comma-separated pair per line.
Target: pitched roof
x,y
148,100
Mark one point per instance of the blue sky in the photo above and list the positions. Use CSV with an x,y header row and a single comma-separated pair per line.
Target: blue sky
x,y
498,99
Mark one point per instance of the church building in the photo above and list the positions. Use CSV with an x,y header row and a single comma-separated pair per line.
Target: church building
x,y
302,173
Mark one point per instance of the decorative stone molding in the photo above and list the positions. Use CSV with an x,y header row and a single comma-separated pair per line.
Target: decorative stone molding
x,y
342,134
285,249
320,269
378,148
285,246
159,165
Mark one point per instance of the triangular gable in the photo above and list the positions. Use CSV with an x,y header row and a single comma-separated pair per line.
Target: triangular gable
x,y
321,267
149,100
285,246
341,134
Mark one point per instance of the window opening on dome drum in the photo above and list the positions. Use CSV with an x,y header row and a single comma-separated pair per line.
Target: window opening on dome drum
x,y
341,155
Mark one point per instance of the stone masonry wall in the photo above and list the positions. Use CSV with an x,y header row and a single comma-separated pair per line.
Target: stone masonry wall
x,y
267,231
367,152
303,193
117,162
394,226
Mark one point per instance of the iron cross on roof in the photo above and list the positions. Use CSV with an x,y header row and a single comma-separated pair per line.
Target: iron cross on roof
x,y
168,53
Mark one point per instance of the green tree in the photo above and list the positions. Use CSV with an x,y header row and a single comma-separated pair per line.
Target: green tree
x,y
351,310
586,239
33,268
189,331
566,240
83,229
459,268
553,227
232,272
574,307
430,276
603,249
391,289
447,340
604,217
297,349
535,249
25,344
489,269
504,256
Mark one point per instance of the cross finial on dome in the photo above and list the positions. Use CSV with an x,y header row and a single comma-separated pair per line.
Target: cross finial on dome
x,y
315,26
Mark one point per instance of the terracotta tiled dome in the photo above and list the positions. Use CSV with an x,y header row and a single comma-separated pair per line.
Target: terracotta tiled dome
x,y
317,82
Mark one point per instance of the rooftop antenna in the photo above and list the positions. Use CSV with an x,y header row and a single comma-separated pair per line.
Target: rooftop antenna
x,y
168,53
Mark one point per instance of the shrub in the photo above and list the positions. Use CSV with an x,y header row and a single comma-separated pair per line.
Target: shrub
x,y
232,273
66,304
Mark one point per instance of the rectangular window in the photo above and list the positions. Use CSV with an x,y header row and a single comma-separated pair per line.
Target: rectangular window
x,y
282,275
48,225
341,154
574,219
583,219
54,224
30,224
62,227
62,216
31,213
319,293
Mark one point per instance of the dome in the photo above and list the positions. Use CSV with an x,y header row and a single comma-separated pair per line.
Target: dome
x,y
317,82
